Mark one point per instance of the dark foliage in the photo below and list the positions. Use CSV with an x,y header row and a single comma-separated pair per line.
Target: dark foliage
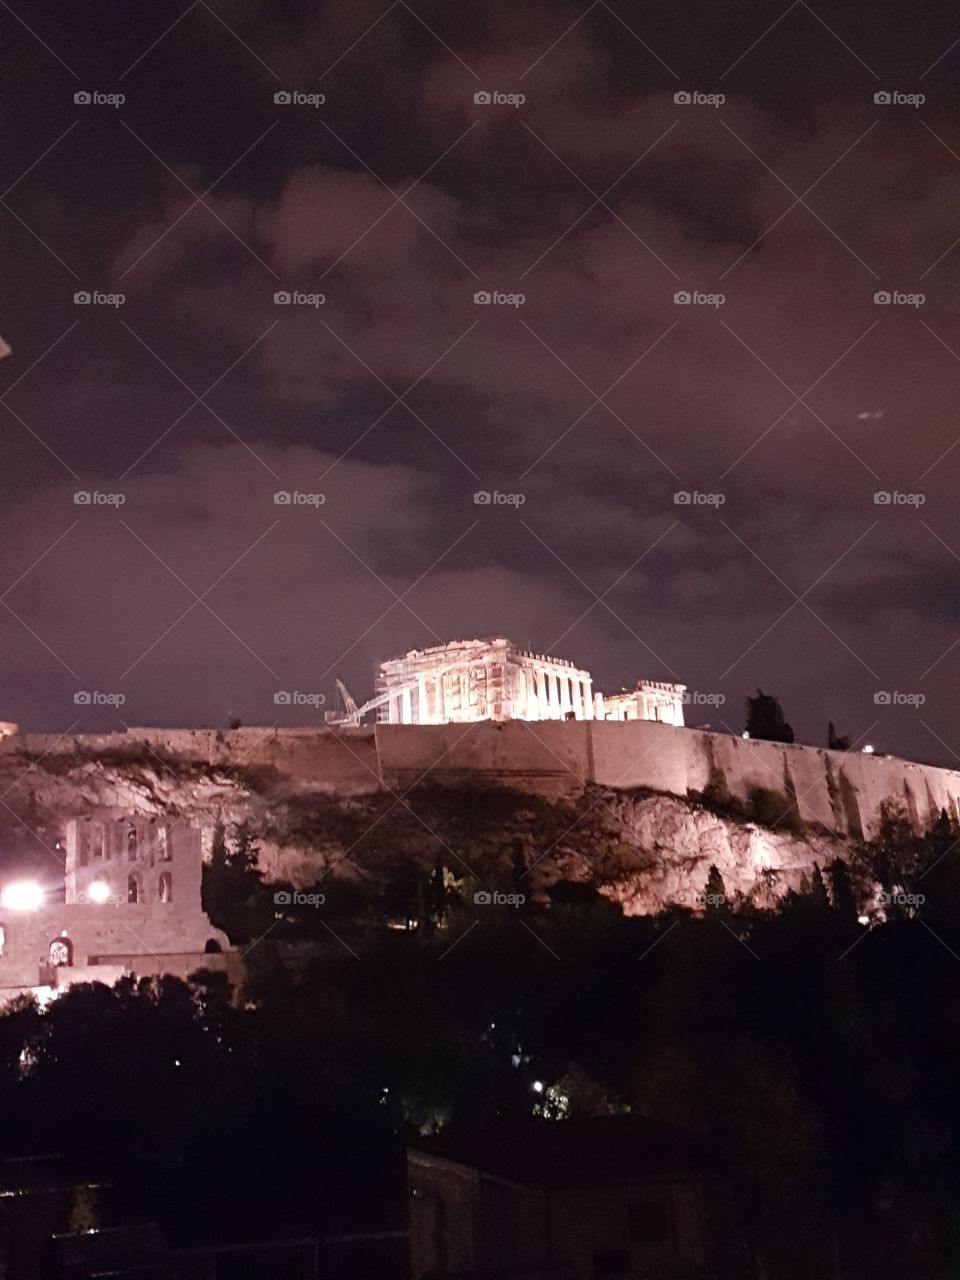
x,y
819,1053
765,719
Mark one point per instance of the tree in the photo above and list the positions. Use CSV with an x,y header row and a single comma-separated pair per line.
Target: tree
x,y
231,885
837,741
818,890
765,719
841,890
246,852
83,1211
715,893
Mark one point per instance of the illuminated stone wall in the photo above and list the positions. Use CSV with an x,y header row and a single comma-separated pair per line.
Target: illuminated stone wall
x,y
132,889
836,791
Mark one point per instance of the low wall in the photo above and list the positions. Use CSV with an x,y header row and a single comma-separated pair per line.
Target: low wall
x,y
102,934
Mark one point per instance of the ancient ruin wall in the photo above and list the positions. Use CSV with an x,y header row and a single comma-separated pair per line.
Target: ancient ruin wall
x,y
835,791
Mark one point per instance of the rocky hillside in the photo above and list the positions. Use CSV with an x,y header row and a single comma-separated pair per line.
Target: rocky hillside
x,y
641,849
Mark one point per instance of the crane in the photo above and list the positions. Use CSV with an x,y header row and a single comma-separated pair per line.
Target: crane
x,y
353,714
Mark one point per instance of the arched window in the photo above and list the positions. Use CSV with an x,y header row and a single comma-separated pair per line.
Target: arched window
x,y
163,843
166,887
96,842
133,889
132,849
61,952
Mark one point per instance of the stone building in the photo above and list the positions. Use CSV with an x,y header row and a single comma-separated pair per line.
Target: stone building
x,y
128,903
587,1198
471,680
650,700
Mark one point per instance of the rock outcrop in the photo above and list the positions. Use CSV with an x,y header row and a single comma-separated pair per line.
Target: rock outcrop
x,y
640,848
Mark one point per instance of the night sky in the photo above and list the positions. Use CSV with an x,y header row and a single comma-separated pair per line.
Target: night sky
x,y
597,399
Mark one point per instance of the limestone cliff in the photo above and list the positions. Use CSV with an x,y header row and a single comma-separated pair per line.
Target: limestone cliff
x,y
640,848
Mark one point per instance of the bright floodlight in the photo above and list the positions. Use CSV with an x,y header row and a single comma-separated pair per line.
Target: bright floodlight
x,y
98,891
22,896
868,749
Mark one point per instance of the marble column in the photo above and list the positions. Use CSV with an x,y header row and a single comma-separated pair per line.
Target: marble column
x,y
566,703
554,695
543,701
406,708
588,699
576,692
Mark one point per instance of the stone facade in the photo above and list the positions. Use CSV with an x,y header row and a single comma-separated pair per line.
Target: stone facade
x,y
472,680
651,700
140,861
130,904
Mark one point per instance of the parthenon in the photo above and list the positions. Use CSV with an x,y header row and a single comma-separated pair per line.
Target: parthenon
x,y
472,680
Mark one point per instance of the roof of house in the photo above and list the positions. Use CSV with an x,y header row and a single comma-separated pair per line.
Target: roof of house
x,y
589,1152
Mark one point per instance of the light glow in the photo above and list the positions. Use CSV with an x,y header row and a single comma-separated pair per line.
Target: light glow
x,y
99,891
25,895
868,749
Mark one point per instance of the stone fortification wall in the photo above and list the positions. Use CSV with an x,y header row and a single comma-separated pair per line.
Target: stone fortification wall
x,y
835,791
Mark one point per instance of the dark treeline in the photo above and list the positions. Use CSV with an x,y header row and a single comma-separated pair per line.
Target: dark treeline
x,y
820,1053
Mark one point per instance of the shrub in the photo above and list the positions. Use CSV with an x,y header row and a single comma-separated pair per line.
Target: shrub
x,y
774,809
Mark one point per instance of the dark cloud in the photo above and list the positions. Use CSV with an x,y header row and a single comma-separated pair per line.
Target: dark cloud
x,y
597,399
